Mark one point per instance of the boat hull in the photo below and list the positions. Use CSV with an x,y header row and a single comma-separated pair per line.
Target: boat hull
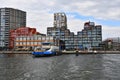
x,y
46,53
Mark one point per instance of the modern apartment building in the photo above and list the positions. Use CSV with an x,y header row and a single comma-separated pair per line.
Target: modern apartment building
x,y
10,18
57,32
60,31
90,36
60,20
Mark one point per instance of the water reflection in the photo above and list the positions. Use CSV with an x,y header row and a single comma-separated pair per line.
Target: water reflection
x,y
64,67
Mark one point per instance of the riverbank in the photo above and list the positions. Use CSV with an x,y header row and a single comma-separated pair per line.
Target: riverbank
x,y
64,52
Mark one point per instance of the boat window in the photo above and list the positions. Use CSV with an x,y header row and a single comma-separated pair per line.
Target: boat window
x,y
45,43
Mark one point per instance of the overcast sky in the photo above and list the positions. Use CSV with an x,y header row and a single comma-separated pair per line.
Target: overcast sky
x,y
40,13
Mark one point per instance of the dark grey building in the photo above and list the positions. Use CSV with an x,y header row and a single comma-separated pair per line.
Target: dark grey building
x,y
10,18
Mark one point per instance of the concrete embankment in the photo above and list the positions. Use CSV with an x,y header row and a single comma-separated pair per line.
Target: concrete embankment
x,y
91,52
64,52
16,52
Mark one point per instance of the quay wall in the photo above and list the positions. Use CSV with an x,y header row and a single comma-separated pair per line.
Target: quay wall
x,y
16,52
64,52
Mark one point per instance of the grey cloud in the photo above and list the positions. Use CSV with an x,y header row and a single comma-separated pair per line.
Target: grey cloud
x,y
38,10
96,8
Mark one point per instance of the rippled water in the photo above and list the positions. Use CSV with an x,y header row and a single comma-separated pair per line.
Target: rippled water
x,y
63,67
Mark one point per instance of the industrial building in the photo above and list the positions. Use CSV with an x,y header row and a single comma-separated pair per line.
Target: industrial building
x,y
10,18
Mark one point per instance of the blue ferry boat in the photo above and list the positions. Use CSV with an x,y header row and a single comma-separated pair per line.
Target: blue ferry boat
x,y
41,51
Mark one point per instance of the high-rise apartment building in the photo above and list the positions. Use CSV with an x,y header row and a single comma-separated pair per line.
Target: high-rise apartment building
x,y
60,20
60,31
10,19
59,28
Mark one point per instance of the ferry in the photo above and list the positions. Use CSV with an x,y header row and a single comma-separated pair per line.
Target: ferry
x,y
45,50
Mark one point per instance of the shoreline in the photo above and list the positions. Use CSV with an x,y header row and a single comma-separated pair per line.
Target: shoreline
x,y
64,52
15,52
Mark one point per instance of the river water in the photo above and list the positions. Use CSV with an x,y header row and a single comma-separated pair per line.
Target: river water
x,y
63,67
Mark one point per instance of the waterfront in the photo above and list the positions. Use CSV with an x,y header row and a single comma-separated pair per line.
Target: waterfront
x,y
63,67
64,52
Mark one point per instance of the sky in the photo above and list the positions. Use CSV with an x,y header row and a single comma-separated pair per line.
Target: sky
x,y
40,14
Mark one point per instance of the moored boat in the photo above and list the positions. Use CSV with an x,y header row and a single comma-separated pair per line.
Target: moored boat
x,y
41,52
